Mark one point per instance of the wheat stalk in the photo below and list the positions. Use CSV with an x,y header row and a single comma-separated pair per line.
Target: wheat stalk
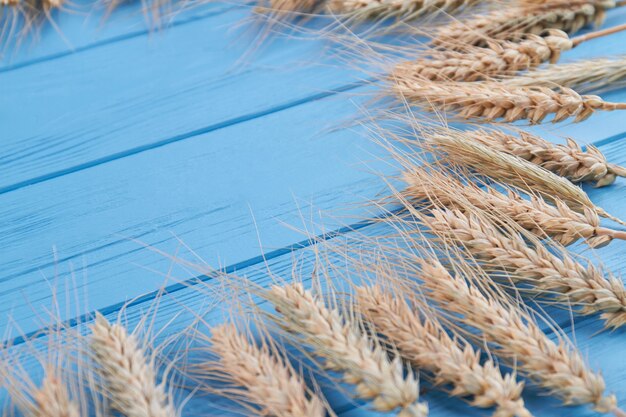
x,y
509,23
569,161
129,378
347,349
458,148
584,76
259,376
499,57
492,100
516,338
427,346
562,276
559,222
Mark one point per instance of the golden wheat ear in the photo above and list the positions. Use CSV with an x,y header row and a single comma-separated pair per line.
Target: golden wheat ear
x,y
128,374
345,347
454,147
512,22
514,336
426,345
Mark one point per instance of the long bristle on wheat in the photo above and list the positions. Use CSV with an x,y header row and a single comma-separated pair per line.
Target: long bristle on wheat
x,y
493,100
560,277
345,348
129,377
516,338
260,377
427,346
499,57
457,147
510,23
557,221
569,161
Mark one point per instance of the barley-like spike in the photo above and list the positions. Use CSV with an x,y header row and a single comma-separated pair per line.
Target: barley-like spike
x,y
509,23
397,9
345,348
569,161
51,399
458,147
426,345
129,378
584,76
516,338
260,377
569,281
499,57
559,222
491,100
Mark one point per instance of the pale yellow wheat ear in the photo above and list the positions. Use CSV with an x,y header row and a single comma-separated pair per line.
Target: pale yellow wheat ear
x,y
511,22
514,336
598,74
458,148
559,222
425,344
553,274
569,160
335,337
128,374
258,375
493,100
497,58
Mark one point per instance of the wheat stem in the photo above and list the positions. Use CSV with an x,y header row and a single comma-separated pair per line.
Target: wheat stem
x,y
427,346
598,34
347,349
129,377
260,376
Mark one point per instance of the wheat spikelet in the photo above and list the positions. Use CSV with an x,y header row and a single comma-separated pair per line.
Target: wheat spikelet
x,y
584,76
569,281
475,63
509,23
281,7
457,147
128,376
491,100
559,222
51,399
259,376
516,338
427,346
397,9
569,161
347,349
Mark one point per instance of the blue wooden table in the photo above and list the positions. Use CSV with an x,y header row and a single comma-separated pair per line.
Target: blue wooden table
x,y
119,144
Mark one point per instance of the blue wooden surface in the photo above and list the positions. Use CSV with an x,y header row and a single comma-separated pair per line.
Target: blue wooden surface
x,y
113,138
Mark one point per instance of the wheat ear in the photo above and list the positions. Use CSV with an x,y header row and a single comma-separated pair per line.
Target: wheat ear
x,y
51,399
584,76
397,9
499,57
345,348
510,23
569,161
129,378
559,222
260,377
458,148
492,100
427,346
516,338
567,280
